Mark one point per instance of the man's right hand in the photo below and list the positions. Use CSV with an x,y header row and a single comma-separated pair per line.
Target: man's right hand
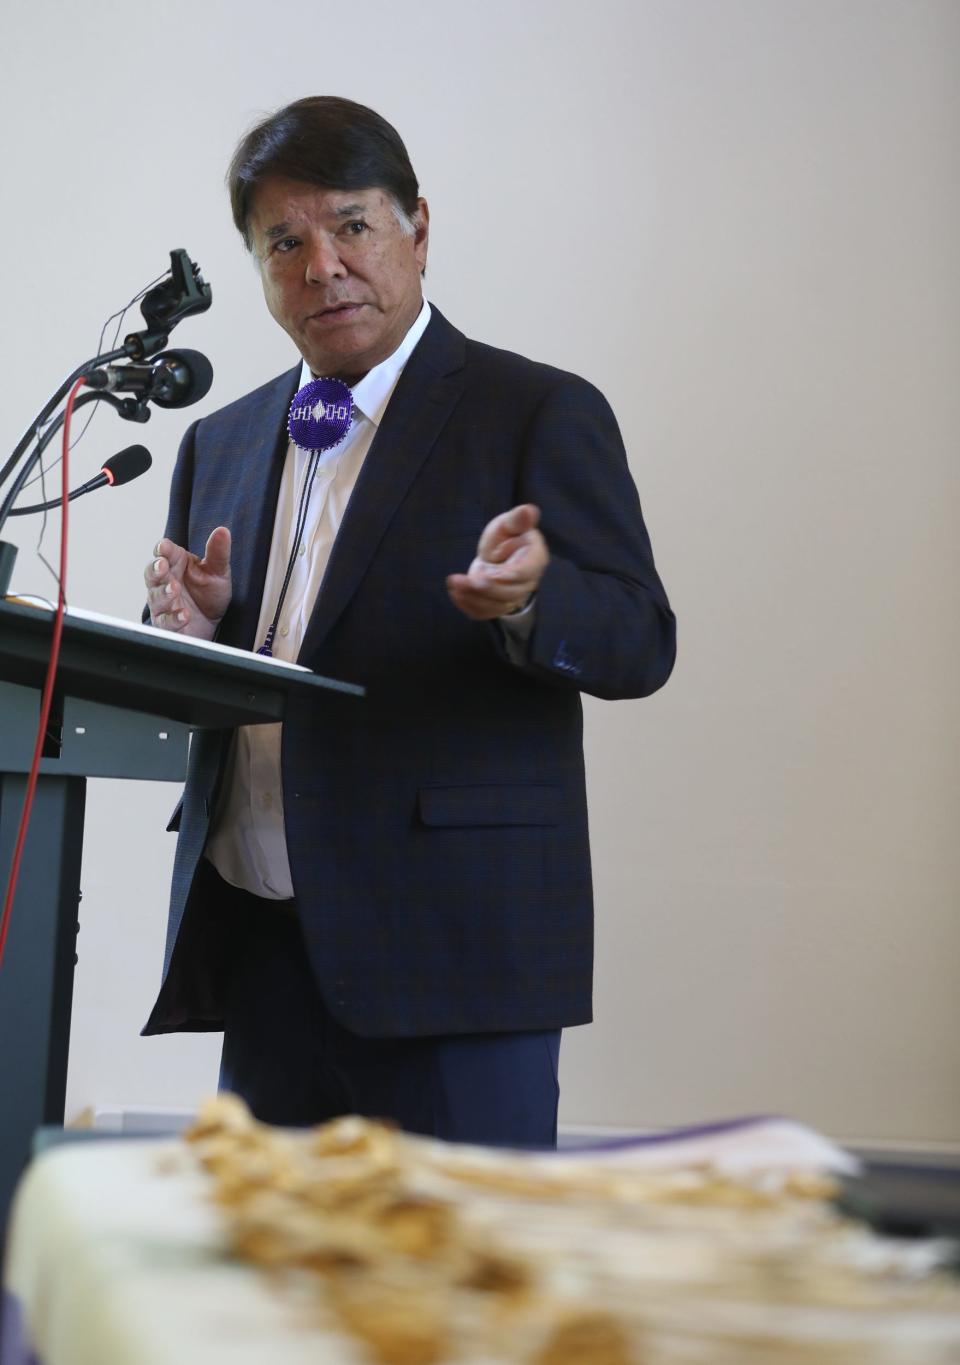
x,y
187,594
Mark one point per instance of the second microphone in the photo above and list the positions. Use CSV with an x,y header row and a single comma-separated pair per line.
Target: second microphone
x,y
173,379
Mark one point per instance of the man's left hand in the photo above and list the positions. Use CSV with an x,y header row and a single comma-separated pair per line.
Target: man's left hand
x,y
511,557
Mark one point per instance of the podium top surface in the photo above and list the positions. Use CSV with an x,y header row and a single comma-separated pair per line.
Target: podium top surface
x,y
126,665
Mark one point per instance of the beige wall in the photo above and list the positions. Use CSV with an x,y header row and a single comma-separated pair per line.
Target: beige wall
x,y
740,219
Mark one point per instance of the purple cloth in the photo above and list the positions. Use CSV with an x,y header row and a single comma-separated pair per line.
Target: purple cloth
x,y
14,1347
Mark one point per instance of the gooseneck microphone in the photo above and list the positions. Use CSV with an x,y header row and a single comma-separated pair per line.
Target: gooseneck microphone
x,y
173,379
120,468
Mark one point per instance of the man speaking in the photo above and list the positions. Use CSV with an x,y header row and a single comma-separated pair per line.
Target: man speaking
x,y
386,903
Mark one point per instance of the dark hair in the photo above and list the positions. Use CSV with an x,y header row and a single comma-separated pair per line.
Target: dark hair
x,y
322,140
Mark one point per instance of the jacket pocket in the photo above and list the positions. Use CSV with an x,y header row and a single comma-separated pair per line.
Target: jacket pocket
x,y
516,804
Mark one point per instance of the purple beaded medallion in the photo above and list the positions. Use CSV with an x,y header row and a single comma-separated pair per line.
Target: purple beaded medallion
x,y
320,414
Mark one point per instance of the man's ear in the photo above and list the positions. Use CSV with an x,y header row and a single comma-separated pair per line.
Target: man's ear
x,y
421,234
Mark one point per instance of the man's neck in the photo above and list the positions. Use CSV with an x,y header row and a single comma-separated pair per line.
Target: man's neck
x,y
348,377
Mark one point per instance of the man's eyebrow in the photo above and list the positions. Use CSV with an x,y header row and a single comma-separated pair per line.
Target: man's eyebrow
x,y
345,211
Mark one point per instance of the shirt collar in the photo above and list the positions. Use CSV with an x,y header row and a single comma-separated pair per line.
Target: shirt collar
x,y
372,393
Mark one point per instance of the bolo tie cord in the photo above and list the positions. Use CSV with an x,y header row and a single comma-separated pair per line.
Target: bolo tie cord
x,y
267,646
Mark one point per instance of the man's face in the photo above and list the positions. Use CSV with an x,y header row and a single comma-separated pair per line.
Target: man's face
x,y
339,273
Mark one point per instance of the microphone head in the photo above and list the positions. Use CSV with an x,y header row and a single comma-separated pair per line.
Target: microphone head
x,y
183,377
126,465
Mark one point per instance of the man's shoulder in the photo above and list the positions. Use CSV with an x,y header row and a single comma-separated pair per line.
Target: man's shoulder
x,y
513,368
516,375
250,406
504,383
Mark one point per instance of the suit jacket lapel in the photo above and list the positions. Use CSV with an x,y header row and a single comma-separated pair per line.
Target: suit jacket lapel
x,y
264,437
426,394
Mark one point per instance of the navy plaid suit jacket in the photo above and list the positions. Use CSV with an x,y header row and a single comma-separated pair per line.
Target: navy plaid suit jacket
x,y
437,829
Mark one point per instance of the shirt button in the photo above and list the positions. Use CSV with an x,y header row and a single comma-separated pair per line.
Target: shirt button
x,y
284,630
302,550
266,801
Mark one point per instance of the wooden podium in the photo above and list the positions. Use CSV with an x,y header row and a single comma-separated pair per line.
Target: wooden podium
x,y
125,702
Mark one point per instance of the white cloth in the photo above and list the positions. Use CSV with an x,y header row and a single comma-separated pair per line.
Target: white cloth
x,y
116,1255
112,1262
247,844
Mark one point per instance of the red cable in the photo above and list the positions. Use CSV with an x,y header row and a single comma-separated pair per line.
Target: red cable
x,y
51,674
